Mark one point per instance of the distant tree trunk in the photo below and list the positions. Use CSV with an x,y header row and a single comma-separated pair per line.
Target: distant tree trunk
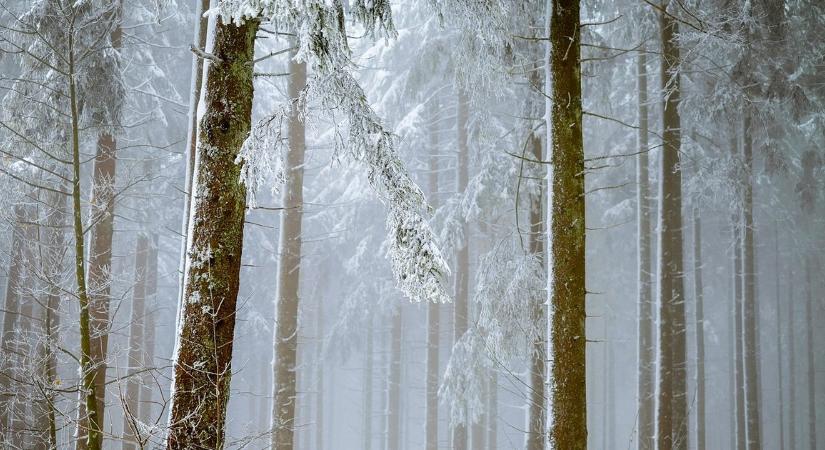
x,y
195,88
809,329
492,414
137,357
433,311
319,378
203,356
537,407
568,413
751,308
368,388
672,405
147,384
791,363
699,297
100,252
462,275
289,271
393,435
779,348
647,351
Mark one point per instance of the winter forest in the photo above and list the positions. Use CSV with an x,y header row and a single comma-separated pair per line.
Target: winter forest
x,y
412,224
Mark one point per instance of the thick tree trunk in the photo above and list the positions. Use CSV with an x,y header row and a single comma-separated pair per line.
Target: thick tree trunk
x,y
647,351
699,298
433,311
147,383
809,331
751,308
202,365
393,435
672,405
568,413
537,407
132,439
289,272
462,276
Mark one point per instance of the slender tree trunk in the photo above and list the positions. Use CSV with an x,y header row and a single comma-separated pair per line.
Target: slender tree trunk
x,y
100,252
791,363
394,395
779,347
319,378
568,413
751,308
462,276
699,297
147,379
739,372
203,355
433,311
672,405
537,407
492,414
809,330
289,271
368,388
137,358
647,351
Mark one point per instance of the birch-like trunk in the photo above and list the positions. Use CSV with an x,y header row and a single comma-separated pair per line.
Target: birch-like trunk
x,y
289,272
132,438
672,391
203,357
566,317
646,396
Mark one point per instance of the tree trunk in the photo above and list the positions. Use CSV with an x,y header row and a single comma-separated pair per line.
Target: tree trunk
x,y
147,378
568,414
289,271
739,372
672,404
751,309
132,438
433,311
537,407
394,393
809,330
462,276
492,414
647,351
779,347
791,363
202,364
319,378
699,297
368,389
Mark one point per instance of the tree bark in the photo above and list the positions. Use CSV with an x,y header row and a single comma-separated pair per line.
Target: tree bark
x,y
646,396
568,414
779,347
699,297
137,358
791,363
433,310
393,435
537,407
751,308
289,271
462,276
672,404
202,365
809,330
739,371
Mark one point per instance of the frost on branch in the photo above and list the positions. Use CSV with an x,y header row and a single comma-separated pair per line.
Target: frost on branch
x,y
462,385
262,155
417,263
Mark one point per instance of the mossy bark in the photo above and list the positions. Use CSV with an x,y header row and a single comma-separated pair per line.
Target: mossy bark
x,y
202,368
568,420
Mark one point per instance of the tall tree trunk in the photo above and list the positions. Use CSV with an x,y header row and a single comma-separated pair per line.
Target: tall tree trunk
x,y
433,310
751,309
492,413
699,297
203,357
462,276
393,435
147,384
132,439
809,330
368,388
537,407
779,347
568,413
647,351
195,88
100,252
791,363
739,372
672,404
319,378
289,271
